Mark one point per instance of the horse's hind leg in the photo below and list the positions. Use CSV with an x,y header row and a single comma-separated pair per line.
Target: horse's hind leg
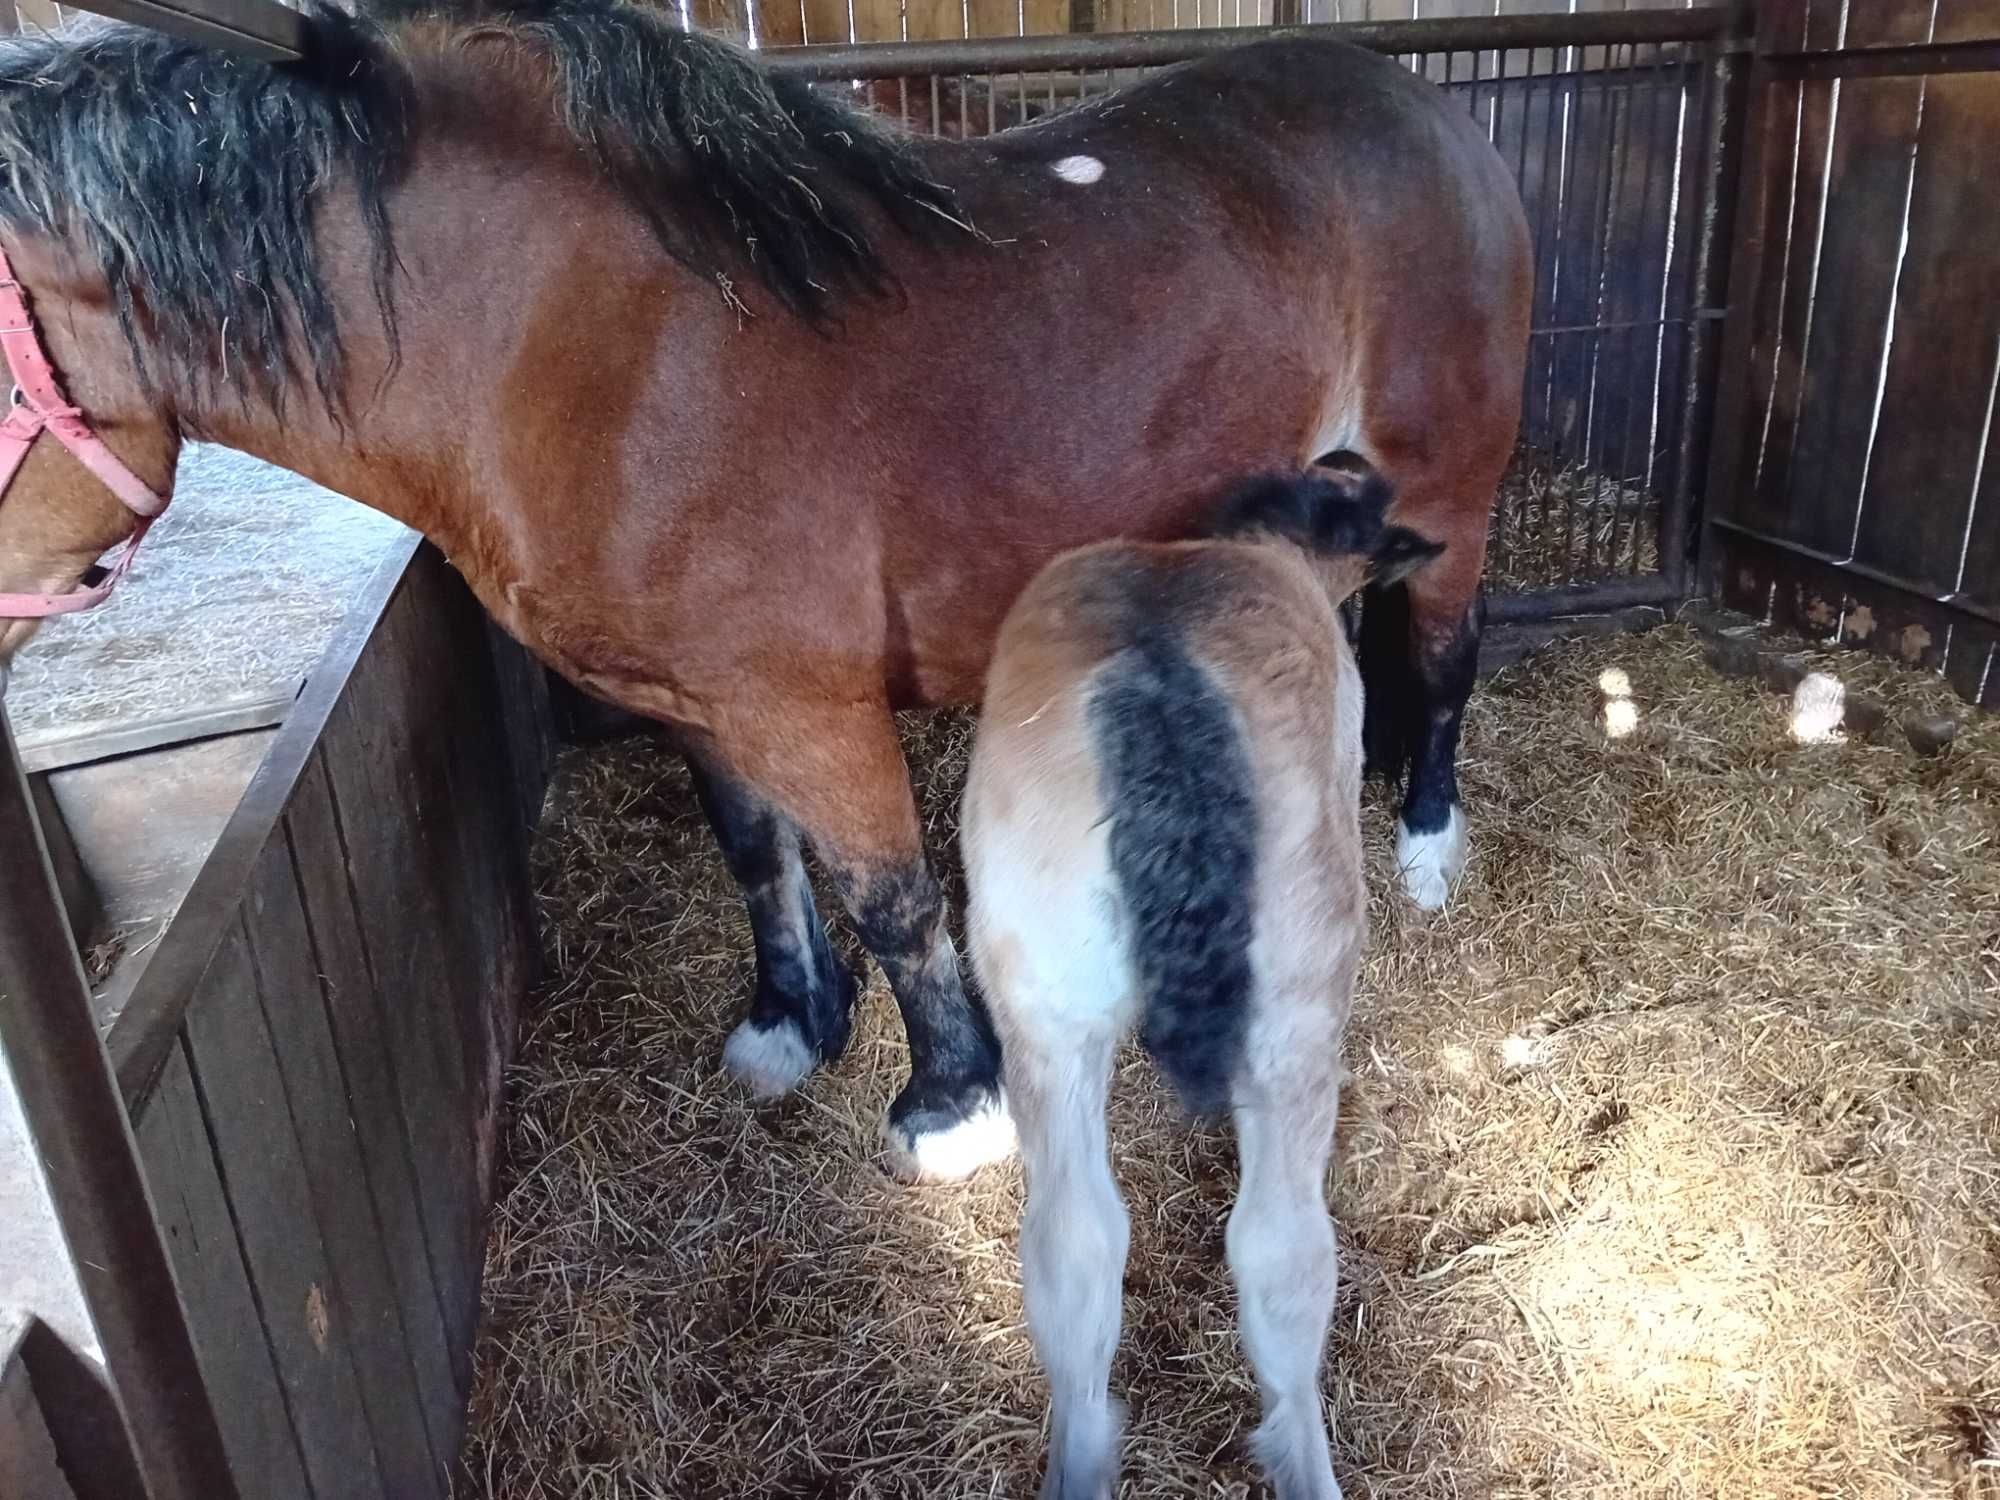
x,y
1281,1253
838,774
800,1014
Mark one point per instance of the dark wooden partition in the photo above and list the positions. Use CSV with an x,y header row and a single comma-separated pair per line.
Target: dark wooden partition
x,y
312,1061
1852,496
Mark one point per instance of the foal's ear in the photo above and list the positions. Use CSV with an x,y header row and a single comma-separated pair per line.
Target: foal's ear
x,y
1400,553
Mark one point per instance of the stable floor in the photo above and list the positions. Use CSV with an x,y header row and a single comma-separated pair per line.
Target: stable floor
x,y
1670,1162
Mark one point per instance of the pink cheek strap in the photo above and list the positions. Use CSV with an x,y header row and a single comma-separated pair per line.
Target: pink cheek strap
x,y
39,406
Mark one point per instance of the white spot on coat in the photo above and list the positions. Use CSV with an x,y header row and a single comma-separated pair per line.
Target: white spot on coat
x,y
1081,170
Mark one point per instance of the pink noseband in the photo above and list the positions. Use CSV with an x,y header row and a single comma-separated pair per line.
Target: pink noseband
x,y
39,406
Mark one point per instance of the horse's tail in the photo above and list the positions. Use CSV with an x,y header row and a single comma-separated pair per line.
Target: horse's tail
x,y
1332,512
1183,850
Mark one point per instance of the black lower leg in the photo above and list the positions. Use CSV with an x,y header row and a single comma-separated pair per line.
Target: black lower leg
x,y
899,912
1446,666
1388,679
799,979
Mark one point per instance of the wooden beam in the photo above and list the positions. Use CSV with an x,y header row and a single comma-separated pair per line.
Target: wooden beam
x,y
257,28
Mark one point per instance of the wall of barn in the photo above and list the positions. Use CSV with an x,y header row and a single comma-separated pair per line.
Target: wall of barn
x,y
1852,496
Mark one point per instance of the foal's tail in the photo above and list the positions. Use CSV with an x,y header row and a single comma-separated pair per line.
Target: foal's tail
x,y
1183,847
1331,512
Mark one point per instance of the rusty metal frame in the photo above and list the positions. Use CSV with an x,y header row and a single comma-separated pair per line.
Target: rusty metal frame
x,y
1148,49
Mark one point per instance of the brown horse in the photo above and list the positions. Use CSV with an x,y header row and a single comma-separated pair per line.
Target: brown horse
x,y
707,388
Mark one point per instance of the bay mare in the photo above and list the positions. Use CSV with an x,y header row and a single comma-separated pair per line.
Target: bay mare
x,y
753,416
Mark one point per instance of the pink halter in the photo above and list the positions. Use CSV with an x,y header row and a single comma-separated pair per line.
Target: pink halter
x,y
38,406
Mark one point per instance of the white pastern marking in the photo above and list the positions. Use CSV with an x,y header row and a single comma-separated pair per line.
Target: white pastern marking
x,y
1081,170
946,1155
768,1061
1431,862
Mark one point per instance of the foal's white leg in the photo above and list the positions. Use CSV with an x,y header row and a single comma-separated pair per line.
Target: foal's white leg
x,y
1074,1235
1281,1253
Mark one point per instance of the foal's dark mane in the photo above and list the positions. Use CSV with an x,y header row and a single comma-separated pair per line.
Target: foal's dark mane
x,y
193,178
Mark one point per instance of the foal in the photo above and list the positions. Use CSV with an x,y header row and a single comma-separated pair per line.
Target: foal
x,y
1161,832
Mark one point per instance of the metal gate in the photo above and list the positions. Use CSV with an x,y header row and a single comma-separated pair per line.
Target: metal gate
x,y
1615,125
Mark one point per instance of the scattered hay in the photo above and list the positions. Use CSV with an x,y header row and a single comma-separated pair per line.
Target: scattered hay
x,y
1559,522
1671,1164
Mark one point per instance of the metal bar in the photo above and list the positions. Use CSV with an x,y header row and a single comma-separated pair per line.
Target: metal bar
x,y
1150,49
1580,599
1634,363
1723,102
77,1118
1569,136
257,28
1609,135
1887,62
1728,456
1958,602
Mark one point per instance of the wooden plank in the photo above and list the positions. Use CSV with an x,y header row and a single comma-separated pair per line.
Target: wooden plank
x,y
28,1465
1874,132
147,1027
1542,188
826,21
76,744
1873,23
483,881
263,1171
1978,570
1599,120
1967,20
360,1295
378,778
777,23
1823,602
528,715
144,826
81,903
370,1065
222,1309
1634,402
1932,433
1784,302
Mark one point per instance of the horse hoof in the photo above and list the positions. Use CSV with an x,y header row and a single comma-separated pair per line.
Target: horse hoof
x,y
1432,862
770,1061
944,1144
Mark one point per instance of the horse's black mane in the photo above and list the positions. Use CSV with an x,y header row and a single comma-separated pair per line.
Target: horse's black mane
x,y
192,176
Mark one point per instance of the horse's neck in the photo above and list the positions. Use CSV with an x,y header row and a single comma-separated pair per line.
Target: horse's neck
x,y
362,460
397,439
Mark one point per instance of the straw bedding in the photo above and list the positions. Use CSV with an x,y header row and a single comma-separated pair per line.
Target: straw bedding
x,y
1670,1163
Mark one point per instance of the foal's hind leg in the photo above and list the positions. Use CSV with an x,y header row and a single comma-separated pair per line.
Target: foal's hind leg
x,y
1281,1253
800,1014
838,774
1074,1236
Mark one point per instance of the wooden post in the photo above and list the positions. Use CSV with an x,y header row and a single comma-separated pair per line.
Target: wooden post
x,y
73,1153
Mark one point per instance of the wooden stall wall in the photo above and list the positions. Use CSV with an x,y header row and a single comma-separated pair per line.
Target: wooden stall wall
x,y
1852,497
313,1059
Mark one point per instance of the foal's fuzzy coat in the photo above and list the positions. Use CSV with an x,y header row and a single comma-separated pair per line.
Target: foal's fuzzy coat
x,y
1161,832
